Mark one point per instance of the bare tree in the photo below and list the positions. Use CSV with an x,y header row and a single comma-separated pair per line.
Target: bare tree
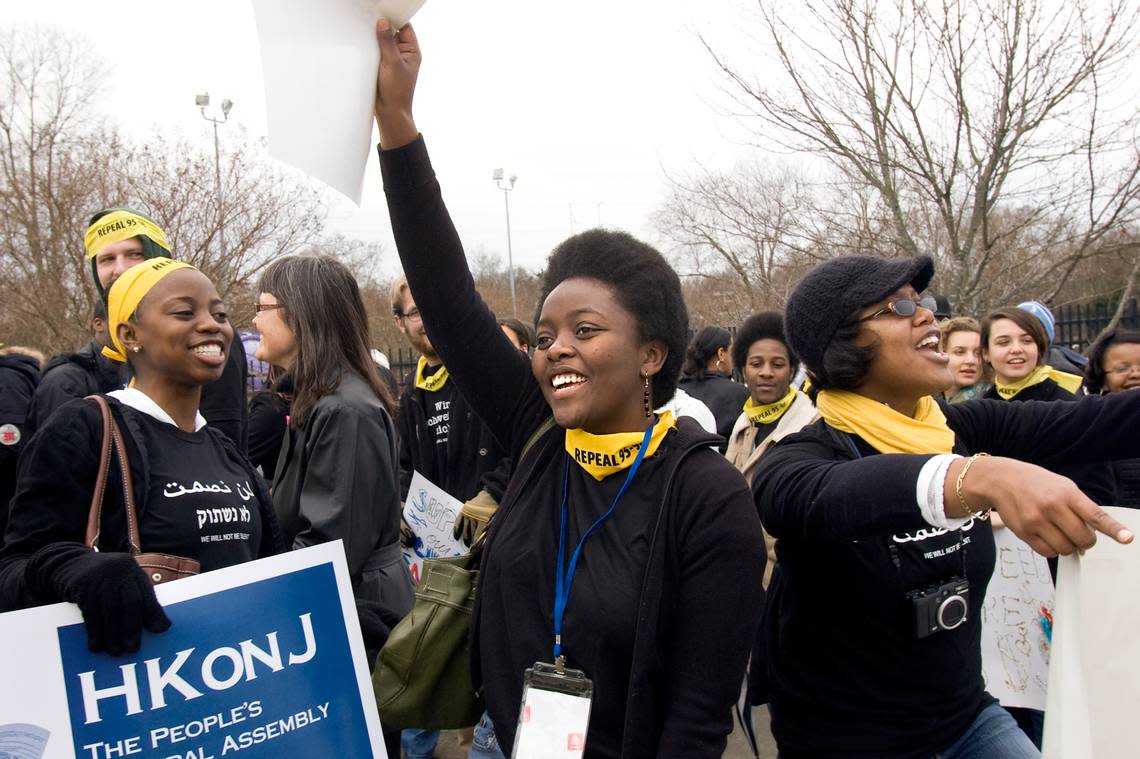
x,y
994,133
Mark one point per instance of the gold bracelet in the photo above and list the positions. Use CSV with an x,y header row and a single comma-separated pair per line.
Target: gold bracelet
x,y
984,514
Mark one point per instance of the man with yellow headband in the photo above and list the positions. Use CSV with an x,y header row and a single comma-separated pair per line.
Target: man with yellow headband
x,y
117,239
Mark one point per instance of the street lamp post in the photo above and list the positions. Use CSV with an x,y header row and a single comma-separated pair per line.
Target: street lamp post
x,y
203,102
506,185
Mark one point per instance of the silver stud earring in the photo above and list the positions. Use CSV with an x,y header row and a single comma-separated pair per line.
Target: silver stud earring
x,y
136,348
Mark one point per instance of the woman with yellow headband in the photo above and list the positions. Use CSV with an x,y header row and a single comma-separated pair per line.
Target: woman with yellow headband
x,y
626,552
879,509
168,322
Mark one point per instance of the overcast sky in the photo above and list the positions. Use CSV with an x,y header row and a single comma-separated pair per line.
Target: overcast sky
x,y
589,103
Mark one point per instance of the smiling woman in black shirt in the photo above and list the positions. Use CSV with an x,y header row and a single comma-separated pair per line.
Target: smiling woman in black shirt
x,y
664,600
874,612
197,496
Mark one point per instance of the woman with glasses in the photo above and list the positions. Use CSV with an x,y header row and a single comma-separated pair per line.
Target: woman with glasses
x,y
336,475
1114,367
878,508
625,550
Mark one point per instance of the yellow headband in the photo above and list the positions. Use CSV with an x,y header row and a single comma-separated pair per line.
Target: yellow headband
x,y
118,226
128,291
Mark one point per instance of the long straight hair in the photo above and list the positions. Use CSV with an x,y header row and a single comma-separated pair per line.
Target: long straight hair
x,y
321,303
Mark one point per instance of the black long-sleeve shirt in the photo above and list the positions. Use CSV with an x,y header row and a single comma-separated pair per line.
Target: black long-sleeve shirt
x,y
848,676
666,597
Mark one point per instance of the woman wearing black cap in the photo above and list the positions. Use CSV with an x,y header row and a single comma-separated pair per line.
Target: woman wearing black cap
x,y
874,612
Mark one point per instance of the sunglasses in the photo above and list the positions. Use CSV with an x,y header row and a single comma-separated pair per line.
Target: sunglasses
x,y
904,307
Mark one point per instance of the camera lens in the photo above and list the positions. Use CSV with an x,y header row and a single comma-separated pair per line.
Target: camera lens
x,y
952,612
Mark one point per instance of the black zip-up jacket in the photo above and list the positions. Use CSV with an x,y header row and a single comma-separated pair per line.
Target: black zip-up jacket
x,y
74,375
848,677
724,398
18,378
698,600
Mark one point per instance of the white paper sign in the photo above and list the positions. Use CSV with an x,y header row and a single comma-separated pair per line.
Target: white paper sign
x,y
1015,648
1094,675
431,512
319,60
262,660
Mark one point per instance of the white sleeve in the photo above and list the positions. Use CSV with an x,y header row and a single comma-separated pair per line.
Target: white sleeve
x,y
929,491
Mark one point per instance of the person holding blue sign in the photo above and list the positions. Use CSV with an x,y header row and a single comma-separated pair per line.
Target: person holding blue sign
x,y
197,496
620,584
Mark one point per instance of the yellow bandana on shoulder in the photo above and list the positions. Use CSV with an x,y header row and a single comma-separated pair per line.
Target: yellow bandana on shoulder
x,y
767,413
432,383
118,226
885,429
1070,382
603,455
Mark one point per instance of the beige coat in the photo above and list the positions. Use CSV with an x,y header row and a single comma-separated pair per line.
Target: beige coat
x,y
742,455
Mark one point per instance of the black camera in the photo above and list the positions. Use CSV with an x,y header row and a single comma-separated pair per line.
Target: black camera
x,y
940,607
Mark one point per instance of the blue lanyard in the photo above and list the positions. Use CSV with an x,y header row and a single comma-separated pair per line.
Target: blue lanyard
x,y
563,578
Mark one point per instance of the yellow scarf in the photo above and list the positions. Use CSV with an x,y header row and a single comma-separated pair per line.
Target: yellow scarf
x,y
603,455
768,413
1070,382
128,291
432,383
885,429
118,226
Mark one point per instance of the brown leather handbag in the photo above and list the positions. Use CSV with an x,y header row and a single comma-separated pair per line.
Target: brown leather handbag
x,y
160,567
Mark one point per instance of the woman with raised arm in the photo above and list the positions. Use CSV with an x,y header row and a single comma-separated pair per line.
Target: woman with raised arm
x,y
625,547
874,613
169,324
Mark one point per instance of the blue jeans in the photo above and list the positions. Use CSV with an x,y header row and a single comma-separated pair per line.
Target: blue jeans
x,y
418,744
993,735
484,743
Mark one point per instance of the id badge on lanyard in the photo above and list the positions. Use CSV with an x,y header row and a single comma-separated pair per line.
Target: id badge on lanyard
x,y
556,700
555,713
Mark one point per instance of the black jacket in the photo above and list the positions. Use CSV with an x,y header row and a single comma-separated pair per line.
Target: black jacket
x,y
224,401
698,603
18,378
847,675
75,375
724,398
336,477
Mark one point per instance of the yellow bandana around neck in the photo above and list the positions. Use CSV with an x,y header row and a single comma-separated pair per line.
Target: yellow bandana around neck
x,y
885,429
118,226
128,291
1070,382
767,413
603,455
432,383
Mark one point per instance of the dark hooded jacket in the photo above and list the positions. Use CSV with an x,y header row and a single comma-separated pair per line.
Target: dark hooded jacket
x,y
18,378
74,375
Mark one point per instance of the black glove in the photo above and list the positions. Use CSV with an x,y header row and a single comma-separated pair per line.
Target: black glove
x,y
376,623
407,537
112,591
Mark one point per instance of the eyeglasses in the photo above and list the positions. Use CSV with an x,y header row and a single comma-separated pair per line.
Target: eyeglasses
x,y
259,307
412,316
904,307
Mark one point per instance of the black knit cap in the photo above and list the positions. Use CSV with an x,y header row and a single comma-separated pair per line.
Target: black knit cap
x,y
833,291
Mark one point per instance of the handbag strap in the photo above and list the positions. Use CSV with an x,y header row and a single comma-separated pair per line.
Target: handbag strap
x,y
112,436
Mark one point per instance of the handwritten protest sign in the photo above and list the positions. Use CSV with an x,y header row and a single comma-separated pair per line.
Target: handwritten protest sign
x,y
1094,686
1015,648
319,60
430,511
263,659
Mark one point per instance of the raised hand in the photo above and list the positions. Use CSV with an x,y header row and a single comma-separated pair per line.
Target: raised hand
x,y
396,84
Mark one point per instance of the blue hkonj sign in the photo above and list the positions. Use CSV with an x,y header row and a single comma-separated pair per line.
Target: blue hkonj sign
x,y
260,670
